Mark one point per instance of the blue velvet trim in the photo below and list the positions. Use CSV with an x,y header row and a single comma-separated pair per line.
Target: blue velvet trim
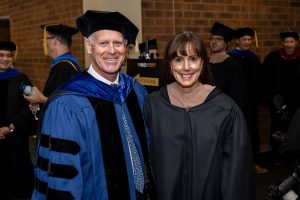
x,y
87,85
247,54
9,73
66,56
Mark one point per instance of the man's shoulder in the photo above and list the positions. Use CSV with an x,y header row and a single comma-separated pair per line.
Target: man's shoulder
x,y
68,99
65,65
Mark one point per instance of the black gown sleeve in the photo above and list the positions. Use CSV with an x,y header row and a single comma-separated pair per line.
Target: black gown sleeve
x,y
237,167
22,118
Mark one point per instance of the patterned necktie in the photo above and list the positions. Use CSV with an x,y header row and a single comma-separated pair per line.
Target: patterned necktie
x,y
135,158
114,85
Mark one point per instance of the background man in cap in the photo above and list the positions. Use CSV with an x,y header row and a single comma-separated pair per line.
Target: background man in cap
x,y
16,123
281,70
93,142
148,49
227,72
57,43
253,81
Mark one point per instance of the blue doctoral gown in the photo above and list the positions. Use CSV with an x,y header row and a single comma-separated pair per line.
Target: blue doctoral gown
x,y
82,152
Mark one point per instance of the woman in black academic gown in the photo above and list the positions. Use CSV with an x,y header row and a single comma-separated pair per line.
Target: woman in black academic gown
x,y
199,147
16,123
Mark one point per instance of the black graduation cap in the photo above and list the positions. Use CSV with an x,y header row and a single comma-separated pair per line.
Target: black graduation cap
x,y
240,32
152,44
220,29
7,45
292,34
60,29
92,21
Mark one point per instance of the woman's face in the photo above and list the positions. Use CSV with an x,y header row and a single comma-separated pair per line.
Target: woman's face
x,y
187,69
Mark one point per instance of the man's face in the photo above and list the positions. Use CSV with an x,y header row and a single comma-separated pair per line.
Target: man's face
x,y
244,43
6,60
217,44
107,50
289,44
153,53
49,41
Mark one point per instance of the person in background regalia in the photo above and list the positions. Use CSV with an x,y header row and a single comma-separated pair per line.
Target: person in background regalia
x,y
252,70
57,43
16,124
227,72
282,74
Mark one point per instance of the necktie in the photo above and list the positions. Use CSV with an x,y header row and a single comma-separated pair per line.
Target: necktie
x,y
135,159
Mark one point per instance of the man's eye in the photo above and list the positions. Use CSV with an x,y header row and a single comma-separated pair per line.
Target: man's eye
x,y
6,55
103,44
117,44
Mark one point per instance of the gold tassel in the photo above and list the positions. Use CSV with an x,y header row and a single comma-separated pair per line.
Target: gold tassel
x,y
16,53
255,38
45,41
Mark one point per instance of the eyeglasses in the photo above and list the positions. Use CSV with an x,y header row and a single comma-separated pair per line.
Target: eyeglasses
x,y
216,39
50,38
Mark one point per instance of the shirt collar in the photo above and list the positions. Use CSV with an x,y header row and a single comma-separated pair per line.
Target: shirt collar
x,y
97,76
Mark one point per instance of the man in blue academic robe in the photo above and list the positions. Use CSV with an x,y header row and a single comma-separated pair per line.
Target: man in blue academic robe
x,y
93,142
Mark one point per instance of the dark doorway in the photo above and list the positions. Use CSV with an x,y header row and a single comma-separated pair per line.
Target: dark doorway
x,y
4,30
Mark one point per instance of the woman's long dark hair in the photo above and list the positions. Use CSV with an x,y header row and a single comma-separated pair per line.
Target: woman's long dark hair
x,y
178,44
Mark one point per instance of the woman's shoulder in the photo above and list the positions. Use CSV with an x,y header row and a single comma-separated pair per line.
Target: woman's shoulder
x,y
219,98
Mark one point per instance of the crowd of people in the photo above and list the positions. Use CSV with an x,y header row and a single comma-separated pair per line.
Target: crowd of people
x,y
100,135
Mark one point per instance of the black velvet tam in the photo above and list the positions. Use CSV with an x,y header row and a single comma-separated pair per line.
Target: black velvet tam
x,y
92,21
240,32
60,29
7,45
292,34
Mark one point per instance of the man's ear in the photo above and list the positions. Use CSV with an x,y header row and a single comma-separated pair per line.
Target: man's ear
x,y
88,45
